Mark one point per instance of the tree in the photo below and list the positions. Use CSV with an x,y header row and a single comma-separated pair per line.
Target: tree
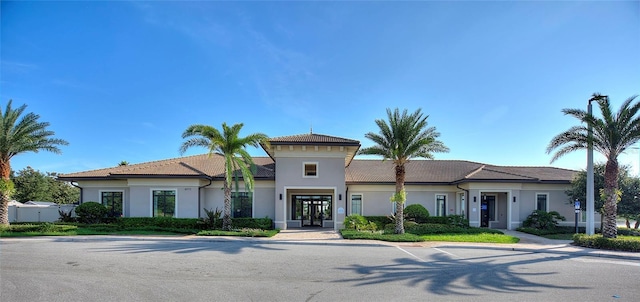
x,y
232,147
629,186
20,134
402,137
123,163
612,135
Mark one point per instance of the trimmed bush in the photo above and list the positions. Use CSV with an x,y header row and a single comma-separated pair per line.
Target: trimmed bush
x,y
417,213
163,222
543,220
599,242
380,221
252,223
433,228
91,212
355,222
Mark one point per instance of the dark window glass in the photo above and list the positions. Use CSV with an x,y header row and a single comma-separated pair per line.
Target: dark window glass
x,y
241,204
164,203
113,202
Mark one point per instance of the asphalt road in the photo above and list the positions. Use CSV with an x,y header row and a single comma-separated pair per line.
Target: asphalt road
x,y
131,269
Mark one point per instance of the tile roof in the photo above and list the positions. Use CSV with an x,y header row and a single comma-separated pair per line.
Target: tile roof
x,y
451,172
312,138
359,171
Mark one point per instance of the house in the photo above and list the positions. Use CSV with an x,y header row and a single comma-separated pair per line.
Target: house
x,y
315,180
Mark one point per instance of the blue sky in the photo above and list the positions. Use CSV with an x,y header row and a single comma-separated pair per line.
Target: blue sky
x,y
121,80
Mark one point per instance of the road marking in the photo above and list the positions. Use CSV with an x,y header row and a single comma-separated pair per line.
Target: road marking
x,y
412,255
443,251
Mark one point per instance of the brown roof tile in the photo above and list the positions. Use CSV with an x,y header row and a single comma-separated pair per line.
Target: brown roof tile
x,y
359,171
311,138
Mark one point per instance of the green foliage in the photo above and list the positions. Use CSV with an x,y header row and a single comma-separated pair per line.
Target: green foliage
x,y
66,216
628,232
244,232
353,234
162,222
213,220
430,228
556,230
358,222
91,212
482,237
543,220
416,212
252,223
7,186
45,228
623,243
379,221
400,197
31,184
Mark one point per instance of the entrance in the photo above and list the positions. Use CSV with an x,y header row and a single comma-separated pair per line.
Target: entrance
x,y
312,210
487,210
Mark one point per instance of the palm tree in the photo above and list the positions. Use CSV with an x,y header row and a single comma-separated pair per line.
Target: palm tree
x,y
20,134
232,147
405,136
612,135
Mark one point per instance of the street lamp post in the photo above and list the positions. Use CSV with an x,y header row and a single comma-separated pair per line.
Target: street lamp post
x,y
590,227
590,198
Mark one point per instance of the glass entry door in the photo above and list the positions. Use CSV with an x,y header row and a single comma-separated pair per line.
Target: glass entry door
x,y
311,210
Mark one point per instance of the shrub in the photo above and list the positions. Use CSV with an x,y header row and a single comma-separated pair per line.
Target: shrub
x,y
434,228
599,242
379,221
91,212
543,220
358,222
213,220
252,223
66,216
161,222
417,213
628,232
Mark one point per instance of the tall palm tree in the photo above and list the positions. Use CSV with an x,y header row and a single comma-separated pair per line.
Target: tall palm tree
x,y
612,135
405,136
232,147
20,134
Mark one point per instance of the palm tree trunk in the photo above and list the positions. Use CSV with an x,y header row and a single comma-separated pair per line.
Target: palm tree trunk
x,y
226,217
5,191
400,173
610,228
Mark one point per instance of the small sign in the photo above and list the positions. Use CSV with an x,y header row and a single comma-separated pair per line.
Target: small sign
x,y
577,211
577,205
341,210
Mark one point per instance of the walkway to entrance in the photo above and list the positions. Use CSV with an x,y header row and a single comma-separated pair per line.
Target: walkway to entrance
x,y
307,234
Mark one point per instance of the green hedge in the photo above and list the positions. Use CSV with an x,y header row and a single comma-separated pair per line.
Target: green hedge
x,y
252,223
380,221
628,232
163,222
434,228
628,244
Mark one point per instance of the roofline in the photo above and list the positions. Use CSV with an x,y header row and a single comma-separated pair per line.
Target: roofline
x,y
315,143
459,182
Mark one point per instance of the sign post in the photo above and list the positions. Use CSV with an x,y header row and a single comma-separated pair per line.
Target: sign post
x,y
576,205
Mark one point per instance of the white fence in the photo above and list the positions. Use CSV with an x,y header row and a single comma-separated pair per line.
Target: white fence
x,y
37,213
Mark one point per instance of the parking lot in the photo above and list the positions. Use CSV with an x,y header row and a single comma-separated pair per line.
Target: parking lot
x,y
103,268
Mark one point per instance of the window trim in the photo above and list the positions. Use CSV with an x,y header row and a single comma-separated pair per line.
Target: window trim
x,y
120,191
444,214
361,203
304,170
535,205
175,209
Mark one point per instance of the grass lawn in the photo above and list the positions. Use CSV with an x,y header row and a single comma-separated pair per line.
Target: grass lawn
x,y
483,237
453,237
50,229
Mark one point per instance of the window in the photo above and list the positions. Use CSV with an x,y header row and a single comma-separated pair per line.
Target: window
x,y
542,200
241,204
310,169
356,204
441,205
113,202
164,203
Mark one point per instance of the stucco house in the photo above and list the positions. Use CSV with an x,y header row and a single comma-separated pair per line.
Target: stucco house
x,y
315,180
